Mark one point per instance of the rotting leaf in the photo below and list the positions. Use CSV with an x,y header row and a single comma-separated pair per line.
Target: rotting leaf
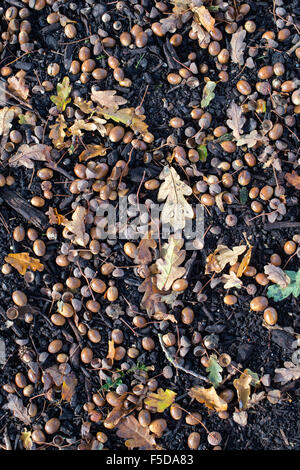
x,y
223,255
76,226
176,208
135,434
237,119
17,85
68,386
144,255
238,46
168,265
209,397
214,370
15,405
22,261
61,100
293,179
279,293
277,275
92,151
208,93
160,400
26,154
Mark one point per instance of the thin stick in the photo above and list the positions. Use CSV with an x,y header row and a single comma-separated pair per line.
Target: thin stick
x,y
177,366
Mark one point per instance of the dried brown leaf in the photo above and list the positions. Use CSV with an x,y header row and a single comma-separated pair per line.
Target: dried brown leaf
x,y
57,133
108,99
6,116
242,385
144,255
111,350
245,262
277,275
26,154
231,280
240,417
169,265
236,119
92,151
76,226
176,208
209,397
238,46
252,139
202,15
15,405
68,386
293,179
223,255
135,434
17,85
152,295
289,372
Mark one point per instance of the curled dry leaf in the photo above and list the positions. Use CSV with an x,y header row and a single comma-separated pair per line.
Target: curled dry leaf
x,y
26,439
223,255
209,397
289,372
115,415
86,107
92,151
152,295
57,133
176,208
203,16
236,119
279,293
135,434
68,386
54,217
6,117
242,385
231,280
108,99
277,275
144,255
15,405
168,265
22,261
245,261
26,154
17,85
197,28
208,93
238,46
160,400
293,179
76,226
240,417
252,139
111,350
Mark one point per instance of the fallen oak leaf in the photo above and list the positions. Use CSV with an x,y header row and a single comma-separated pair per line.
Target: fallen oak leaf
x,y
161,400
209,397
61,100
293,179
245,262
15,405
201,33
208,93
86,107
202,15
252,139
22,261
223,255
76,226
68,386
54,217
6,117
240,417
231,280
238,46
128,117
277,275
168,265
279,293
26,154
242,385
176,208
57,133
92,151
289,372
111,350
214,370
152,295
26,439
135,434
236,119
143,254
108,99
17,85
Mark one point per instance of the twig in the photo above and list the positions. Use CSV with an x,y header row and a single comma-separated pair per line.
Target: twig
x,y
281,225
292,49
177,366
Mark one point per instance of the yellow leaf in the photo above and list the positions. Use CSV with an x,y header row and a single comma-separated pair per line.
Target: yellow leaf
x,y
57,133
22,261
245,262
26,439
92,151
111,350
209,397
161,400
128,117
63,92
242,385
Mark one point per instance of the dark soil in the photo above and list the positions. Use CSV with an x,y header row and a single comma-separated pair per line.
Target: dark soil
x,y
241,332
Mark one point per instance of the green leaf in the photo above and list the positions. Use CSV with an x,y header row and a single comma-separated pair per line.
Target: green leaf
x,y
63,92
214,370
279,293
208,93
243,195
202,150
